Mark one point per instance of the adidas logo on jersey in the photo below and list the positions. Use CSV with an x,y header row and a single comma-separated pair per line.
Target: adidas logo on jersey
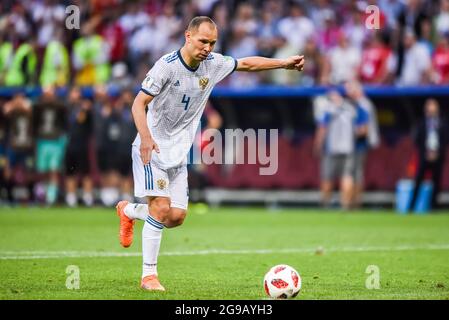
x,y
177,84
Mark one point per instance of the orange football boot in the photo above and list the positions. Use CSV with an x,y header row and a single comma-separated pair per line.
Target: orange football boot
x,y
126,225
151,283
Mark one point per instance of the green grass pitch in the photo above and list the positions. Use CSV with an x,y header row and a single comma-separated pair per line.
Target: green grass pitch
x,y
224,254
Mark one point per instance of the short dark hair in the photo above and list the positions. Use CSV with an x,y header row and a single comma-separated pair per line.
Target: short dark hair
x,y
197,21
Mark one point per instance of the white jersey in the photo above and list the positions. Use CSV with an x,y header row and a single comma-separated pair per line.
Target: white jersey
x,y
180,95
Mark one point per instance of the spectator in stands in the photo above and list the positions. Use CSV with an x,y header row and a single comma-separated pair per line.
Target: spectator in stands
x,y
243,43
366,135
440,61
416,65
56,64
431,139
290,43
139,49
328,34
22,69
411,16
427,36
269,38
379,62
90,58
168,30
113,34
19,21
6,54
242,39
48,17
334,142
313,70
77,164
342,62
49,125
355,29
133,17
297,20
319,13
244,27
441,20
19,148
139,27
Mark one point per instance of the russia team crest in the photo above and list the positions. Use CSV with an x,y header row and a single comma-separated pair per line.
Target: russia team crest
x,y
161,184
203,83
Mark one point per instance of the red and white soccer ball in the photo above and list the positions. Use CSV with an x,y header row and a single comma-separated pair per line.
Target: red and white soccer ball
x,y
282,282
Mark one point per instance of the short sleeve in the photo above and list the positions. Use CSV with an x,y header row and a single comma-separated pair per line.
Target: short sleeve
x,y
362,117
224,66
156,78
325,120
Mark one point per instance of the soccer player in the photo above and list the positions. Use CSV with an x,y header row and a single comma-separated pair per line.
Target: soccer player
x,y
79,132
19,146
115,134
49,126
175,90
367,135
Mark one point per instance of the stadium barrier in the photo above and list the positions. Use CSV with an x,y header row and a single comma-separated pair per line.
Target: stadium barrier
x,y
290,109
266,91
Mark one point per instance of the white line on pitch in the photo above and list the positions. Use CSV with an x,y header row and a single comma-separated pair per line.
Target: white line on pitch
x,y
19,255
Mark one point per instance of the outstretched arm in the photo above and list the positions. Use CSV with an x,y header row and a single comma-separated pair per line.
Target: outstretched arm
x,y
261,63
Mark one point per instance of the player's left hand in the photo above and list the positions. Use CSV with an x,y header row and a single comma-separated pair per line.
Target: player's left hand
x,y
294,63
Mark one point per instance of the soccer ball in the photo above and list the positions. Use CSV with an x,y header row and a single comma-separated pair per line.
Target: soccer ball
x,y
282,282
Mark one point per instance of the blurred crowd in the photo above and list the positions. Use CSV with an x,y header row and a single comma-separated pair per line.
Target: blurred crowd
x,y
86,141
117,41
74,147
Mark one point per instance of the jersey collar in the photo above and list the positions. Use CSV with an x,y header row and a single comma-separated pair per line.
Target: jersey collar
x,y
185,64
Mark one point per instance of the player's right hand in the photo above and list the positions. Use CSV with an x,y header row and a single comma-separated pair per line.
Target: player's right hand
x,y
294,63
146,148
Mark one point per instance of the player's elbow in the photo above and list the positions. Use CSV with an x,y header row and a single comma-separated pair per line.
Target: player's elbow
x,y
244,65
140,102
135,107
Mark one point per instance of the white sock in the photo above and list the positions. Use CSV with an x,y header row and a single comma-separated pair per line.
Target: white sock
x,y
109,196
88,199
70,199
151,242
137,211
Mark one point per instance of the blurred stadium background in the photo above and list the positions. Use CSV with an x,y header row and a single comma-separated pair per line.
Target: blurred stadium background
x,y
90,75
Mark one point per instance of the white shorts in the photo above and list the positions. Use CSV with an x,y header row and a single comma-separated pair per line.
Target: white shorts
x,y
152,181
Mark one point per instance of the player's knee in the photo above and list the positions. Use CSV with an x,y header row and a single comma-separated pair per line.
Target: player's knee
x,y
160,210
177,218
